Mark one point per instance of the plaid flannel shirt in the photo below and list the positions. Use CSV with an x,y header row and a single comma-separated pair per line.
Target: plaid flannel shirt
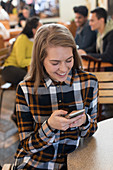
x,y
41,147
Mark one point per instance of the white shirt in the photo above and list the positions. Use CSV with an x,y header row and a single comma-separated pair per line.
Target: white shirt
x,y
4,32
3,14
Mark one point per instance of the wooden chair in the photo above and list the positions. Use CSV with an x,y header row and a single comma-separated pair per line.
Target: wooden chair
x,y
105,80
4,52
71,26
1,42
93,64
5,23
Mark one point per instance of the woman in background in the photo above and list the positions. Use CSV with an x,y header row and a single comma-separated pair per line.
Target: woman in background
x,y
17,64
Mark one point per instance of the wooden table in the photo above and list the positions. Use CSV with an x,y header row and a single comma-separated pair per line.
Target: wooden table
x,y
14,32
13,23
103,65
96,152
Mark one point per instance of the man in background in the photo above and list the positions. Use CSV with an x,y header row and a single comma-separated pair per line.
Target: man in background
x,y
104,43
84,38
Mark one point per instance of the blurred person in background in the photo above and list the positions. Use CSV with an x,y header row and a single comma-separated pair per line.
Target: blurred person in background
x,y
84,37
24,16
3,14
7,6
17,64
32,10
4,32
103,47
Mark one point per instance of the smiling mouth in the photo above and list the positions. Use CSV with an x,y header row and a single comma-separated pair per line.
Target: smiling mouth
x,y
63,74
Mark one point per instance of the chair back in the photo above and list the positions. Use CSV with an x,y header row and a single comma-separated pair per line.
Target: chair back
x,y
93,64
1,42
73,28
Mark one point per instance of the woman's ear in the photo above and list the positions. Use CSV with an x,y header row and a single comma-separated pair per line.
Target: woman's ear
x,y
34,31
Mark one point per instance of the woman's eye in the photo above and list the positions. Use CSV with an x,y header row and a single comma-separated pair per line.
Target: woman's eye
x,y
54,64
68,61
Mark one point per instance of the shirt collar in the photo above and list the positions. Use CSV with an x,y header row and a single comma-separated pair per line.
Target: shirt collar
x,y
48,81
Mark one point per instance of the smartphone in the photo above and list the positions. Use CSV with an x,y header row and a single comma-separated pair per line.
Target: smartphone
x,y
74,114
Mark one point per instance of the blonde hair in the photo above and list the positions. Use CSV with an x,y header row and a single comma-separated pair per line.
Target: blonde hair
x,y
50,35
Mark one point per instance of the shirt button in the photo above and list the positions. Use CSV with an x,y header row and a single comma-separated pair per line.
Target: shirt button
x,y
58,86
60,101
62,132
59,155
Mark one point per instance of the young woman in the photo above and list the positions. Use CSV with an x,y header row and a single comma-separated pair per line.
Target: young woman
x,y
16,65
54,87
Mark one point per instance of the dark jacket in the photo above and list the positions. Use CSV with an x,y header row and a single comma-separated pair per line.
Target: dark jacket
x,y
85,38
107,55
104,44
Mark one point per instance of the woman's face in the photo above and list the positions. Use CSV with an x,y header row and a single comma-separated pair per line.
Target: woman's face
x,y
58,62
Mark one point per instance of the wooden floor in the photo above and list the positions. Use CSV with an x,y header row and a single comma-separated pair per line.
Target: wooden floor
x,y
9,133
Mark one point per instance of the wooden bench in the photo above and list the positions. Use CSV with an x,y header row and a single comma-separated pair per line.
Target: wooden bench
x,y
105,80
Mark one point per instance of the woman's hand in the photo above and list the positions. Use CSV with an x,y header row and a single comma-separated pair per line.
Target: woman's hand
x,y
80,120
58,121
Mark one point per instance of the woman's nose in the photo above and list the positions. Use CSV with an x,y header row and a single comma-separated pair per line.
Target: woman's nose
x,y
63,67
